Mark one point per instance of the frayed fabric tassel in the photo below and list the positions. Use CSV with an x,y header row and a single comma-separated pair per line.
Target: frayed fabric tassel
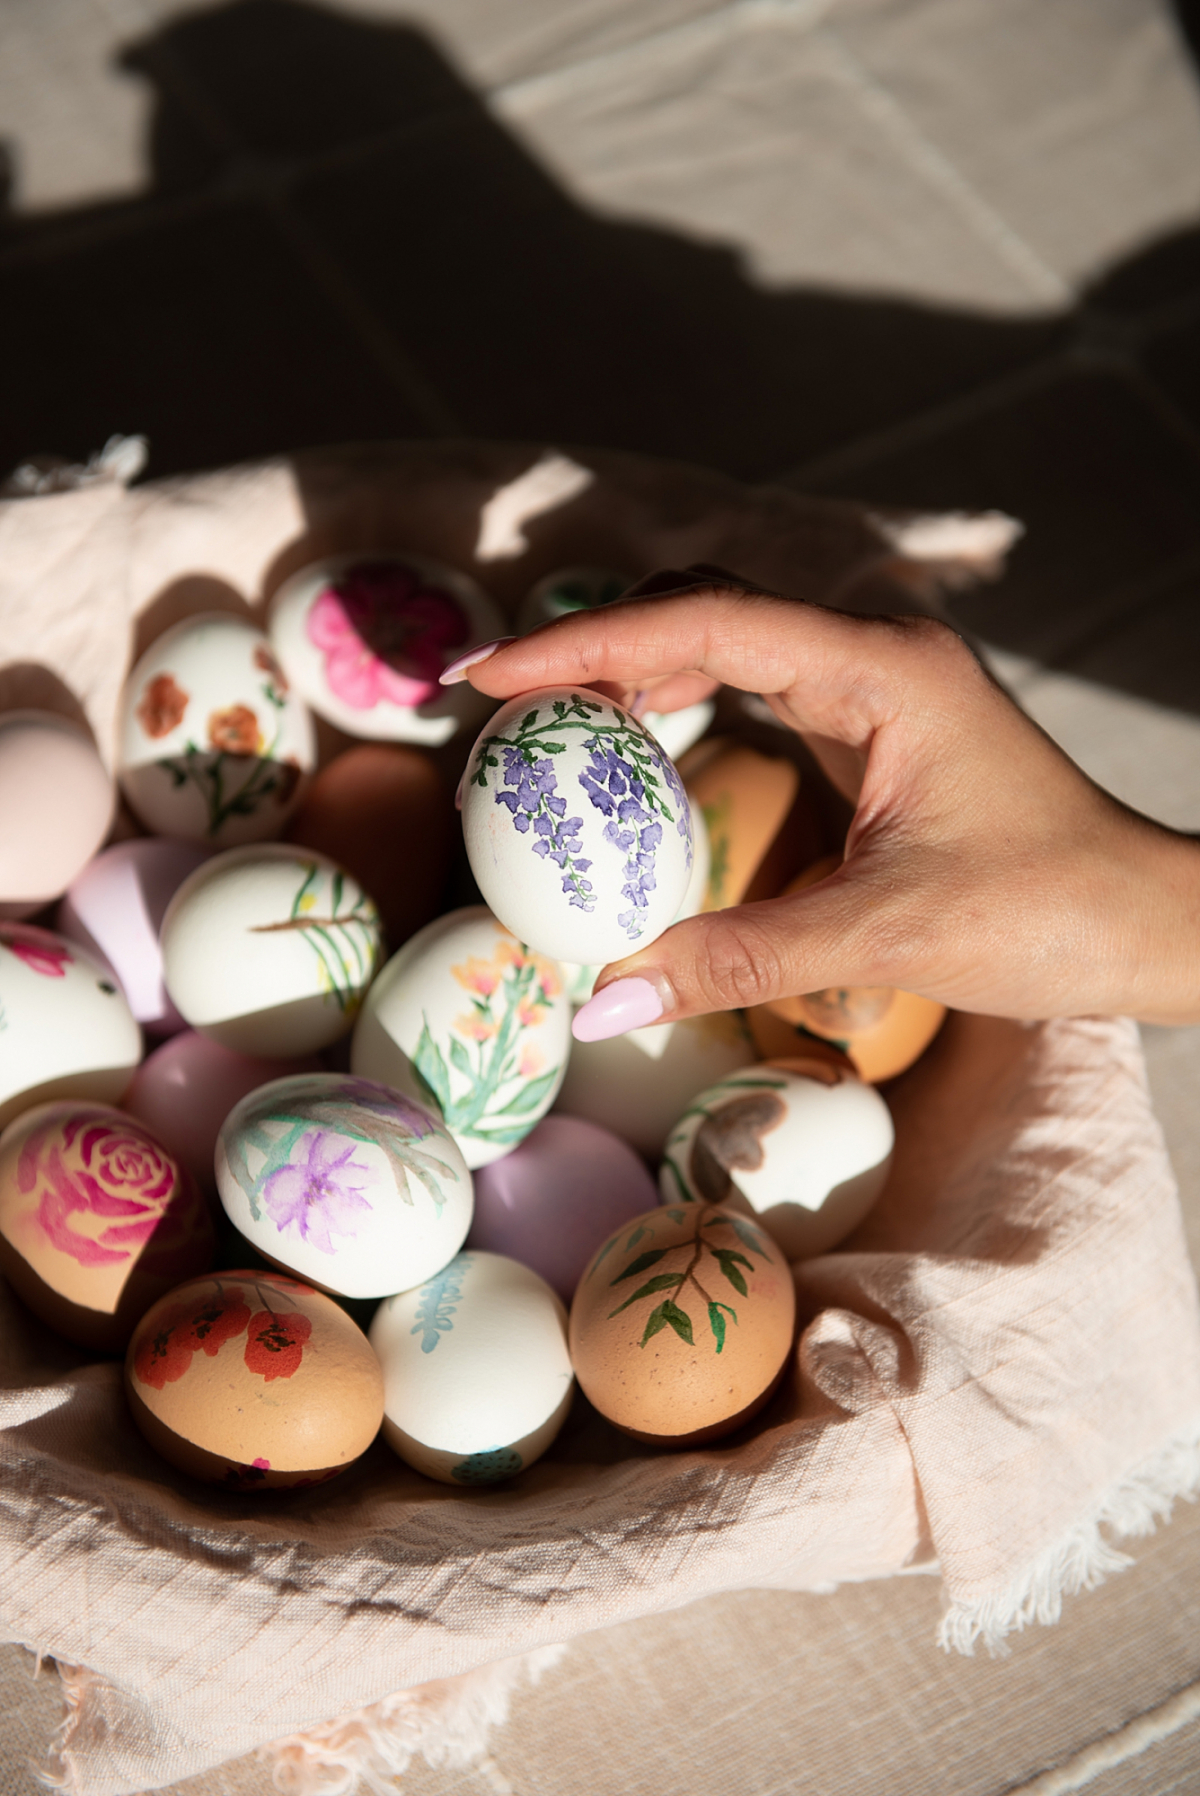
x,y
447,1722
1083,1558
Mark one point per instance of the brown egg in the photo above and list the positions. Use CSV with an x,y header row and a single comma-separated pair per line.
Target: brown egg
x,y
381,810
682,1324
254,1381
760,824
97,1220
882,1029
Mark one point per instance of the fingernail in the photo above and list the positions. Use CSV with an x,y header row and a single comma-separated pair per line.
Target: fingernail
x,y
625,1004
458,790
456,671
638,707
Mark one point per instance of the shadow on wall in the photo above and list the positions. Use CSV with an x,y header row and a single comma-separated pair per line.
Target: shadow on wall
x,y
339,241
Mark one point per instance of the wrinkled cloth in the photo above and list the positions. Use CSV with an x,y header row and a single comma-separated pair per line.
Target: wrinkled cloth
x,y
1003,1361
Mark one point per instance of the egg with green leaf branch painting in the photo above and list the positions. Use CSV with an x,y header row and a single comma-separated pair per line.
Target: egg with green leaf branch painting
x,y
682,1325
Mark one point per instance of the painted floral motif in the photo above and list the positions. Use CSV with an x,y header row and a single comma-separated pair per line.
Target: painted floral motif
x,y
624,781
511,994
385,635
714,1258
489,1466
235,731
729,1134
90,1166
345,941
205,1321
161,706
277,685
311,1142
37,949
439,1302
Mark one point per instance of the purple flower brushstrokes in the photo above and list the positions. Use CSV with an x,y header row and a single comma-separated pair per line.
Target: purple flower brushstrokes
x,y
318,1194
530,793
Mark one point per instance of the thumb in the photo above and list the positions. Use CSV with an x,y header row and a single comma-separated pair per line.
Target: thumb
x,y
745,955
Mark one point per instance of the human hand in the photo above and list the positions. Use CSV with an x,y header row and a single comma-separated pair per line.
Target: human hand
x,y
982,867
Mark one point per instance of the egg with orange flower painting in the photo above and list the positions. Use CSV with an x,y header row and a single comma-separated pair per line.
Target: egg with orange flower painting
x,y
214,745
254,1381
466,1017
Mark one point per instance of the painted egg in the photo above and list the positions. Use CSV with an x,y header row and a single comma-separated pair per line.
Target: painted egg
x,y
115,908
368,810
477,1377
186,1089
682,1325
577,828
552,1200
214,747
585,589
803,1145
253,1381
466,1020
269,950
65,1028
56,800
344,1182
638,1084
760,825
365,639
97,1220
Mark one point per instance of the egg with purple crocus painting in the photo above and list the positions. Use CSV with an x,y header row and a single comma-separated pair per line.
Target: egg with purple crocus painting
x,y
365,639
577,828
344,1182
214,744
477,1376
466,1019
552,1200
66,1028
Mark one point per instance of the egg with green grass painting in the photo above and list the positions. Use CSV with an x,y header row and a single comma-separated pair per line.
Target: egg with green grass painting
x,y
681,1327
467,1019
270,949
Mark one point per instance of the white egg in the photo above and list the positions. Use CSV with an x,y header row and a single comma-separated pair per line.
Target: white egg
x,y
214,747
365,637
577,828
476,1374
638,1084
466,1018
269,949
344,1182
65,1028
802,1144
56,802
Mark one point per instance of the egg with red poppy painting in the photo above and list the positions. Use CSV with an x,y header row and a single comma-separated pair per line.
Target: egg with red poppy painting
x,y
97,1220
214,745
253,1381
65,1028
365,637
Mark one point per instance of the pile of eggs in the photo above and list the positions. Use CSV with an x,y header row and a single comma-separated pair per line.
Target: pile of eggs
x,y
364,1180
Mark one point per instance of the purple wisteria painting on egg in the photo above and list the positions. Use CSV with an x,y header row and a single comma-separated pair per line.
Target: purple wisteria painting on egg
x,y
577,827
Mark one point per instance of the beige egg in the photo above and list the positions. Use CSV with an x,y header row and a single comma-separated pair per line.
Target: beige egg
x,y
97,1220
760,825
253,1381
682,1325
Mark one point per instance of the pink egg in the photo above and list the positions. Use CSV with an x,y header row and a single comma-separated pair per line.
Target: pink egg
x,y
186,1089
56,800
551,1202
114,909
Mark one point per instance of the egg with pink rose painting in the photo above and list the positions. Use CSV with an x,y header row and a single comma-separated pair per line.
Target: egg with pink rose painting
x,y
344,1182
364,637
97,1220
214,744
65,1028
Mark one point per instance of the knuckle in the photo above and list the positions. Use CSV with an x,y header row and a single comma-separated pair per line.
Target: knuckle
x,y
740,962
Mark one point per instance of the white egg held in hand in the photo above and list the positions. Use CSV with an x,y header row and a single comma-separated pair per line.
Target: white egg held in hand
x,y
344,1182
269,950
476,1373
214,746
466,1018
803,1145
577,828
67,1030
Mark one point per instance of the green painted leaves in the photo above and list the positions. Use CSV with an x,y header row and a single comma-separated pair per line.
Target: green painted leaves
x,y
704,1256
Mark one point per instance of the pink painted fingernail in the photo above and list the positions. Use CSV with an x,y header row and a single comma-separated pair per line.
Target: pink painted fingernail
x,y
624,1005
639,706
456,671
462,780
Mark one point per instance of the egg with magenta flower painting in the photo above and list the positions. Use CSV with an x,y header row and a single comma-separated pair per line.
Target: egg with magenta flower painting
x,y
577,827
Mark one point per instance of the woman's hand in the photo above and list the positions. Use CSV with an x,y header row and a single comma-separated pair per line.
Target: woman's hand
x,y
982,868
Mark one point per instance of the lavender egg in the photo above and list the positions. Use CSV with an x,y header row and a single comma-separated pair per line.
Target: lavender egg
x,y
577,827
554,1199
